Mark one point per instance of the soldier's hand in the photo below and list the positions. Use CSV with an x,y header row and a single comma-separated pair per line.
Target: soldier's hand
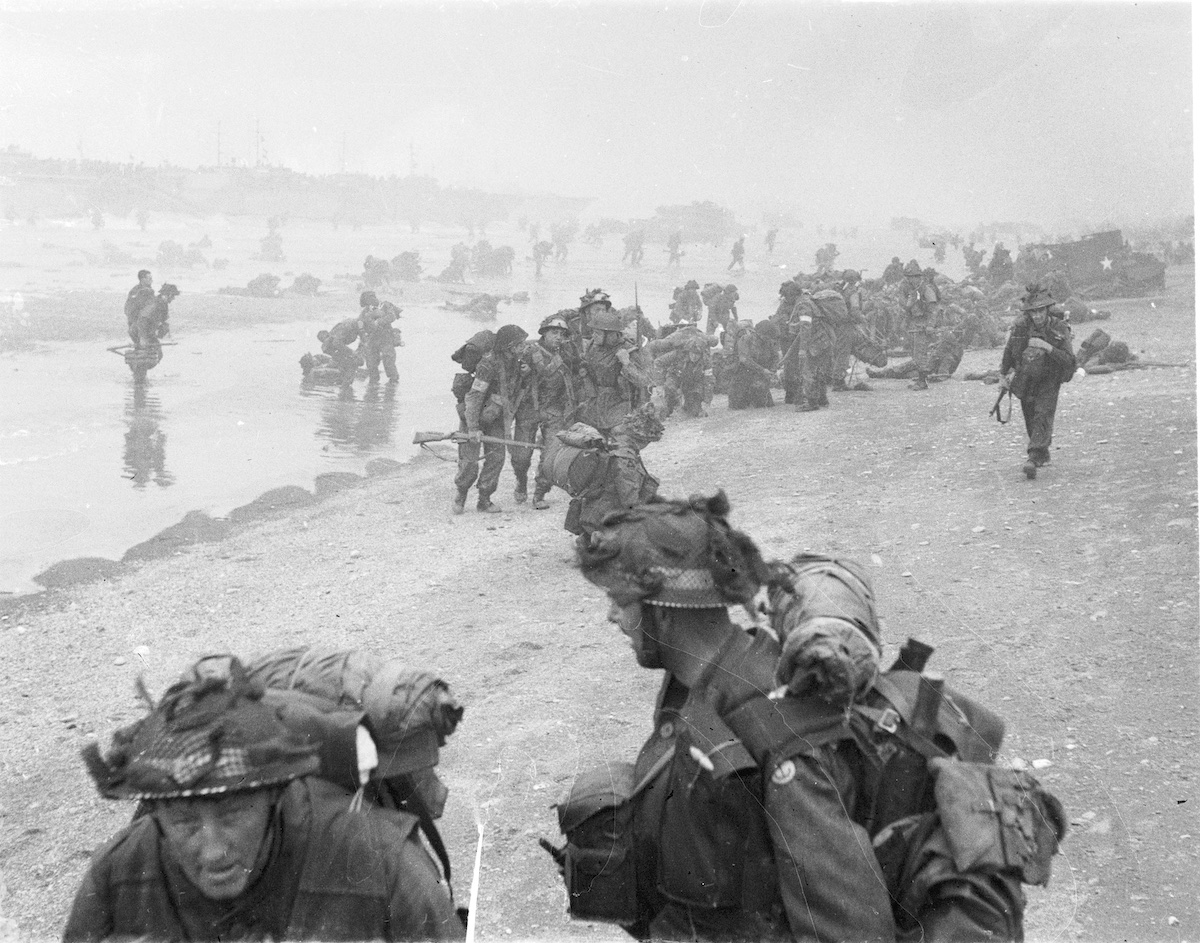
x,y
623,356
475,436
1005,381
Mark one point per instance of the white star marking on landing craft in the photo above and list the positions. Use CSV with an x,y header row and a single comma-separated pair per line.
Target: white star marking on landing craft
x,y
1106,263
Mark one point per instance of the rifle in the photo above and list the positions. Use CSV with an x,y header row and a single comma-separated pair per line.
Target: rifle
x,y
638,322
458,438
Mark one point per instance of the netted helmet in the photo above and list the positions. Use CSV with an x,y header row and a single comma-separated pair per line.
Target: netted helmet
x,y
211,733
679,554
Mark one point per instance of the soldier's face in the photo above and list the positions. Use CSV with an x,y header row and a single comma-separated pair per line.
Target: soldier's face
x,y
634,621
1040,317
146,280
217,842
552,339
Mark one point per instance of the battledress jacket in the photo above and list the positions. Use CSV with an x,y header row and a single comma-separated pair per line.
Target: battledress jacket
x,y
332,874
1061,357
750,854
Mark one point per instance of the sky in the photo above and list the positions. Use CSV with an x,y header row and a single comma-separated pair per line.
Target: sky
x,y
953,113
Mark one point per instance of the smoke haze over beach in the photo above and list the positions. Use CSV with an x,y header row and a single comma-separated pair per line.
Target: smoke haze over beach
x,y
948,112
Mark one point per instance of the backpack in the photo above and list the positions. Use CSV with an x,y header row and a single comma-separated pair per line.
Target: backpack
x,y
928,749
831,306
327,693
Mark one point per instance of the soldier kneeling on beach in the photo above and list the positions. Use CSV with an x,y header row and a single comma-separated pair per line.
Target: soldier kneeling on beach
x,y
237,838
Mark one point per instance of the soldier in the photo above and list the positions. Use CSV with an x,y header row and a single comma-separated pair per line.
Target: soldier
x,y
139,296
722,306
684,361
336,343
634,249
236,838
488,410
555,362
850,287
1000,268
755,358
809,341
674,247
688,305
592,302
1037,360
379,336
894,271
541,252
737,255
624,481
790,791
614,382
919,298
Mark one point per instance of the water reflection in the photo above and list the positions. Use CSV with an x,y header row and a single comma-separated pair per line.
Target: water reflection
x,y
356,425
145,442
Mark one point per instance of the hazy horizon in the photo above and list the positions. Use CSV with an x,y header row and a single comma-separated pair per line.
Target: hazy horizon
x,y
839,113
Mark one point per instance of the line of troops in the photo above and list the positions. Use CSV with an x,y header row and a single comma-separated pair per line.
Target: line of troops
x,y
792,787
598,365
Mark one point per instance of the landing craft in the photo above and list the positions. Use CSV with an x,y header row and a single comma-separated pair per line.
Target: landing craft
x,y
1097,266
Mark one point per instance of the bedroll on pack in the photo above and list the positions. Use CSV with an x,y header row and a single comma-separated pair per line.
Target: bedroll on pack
x,y
832,306
575,470
409,713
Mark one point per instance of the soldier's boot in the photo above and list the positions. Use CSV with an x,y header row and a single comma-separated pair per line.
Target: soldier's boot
x,y
460,502
839,386
823,398
521,492
485,506
807,407
920,383
1030,469
861,387
539,500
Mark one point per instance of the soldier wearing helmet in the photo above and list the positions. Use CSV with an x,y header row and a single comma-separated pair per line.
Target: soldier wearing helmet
x,y
722,307
491,406
688,306
555,362
592,302
919,298
791,790
379,337
1038,358
237,838
615,379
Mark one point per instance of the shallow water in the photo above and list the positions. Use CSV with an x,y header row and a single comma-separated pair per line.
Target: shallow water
x,y
91,465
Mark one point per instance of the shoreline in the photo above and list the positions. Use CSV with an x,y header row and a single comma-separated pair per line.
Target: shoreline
x,y
196,527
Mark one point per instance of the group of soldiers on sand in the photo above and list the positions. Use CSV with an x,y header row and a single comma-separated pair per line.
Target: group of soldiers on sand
x,y
793,787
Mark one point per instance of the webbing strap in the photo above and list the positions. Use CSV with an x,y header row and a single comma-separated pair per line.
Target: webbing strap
x,y
781,728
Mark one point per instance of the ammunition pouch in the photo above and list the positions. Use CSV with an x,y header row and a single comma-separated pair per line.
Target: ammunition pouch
x,y
461,386
998,819
600,864
491,413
